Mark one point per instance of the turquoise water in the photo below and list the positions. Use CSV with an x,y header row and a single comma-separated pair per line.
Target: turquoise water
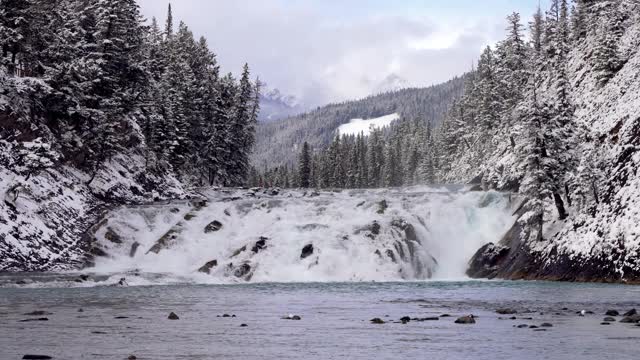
x,y
335,321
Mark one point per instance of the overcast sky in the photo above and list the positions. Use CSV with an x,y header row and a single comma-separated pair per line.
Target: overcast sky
x,y
333,50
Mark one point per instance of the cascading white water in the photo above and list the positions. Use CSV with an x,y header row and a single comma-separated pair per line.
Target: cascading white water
x,y
421,233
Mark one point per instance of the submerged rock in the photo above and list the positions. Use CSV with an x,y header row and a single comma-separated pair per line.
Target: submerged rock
x,y
382,207
506,311
307,251
242,270
469,319
38,313
612,313
206,268
631,319
546,325
213,227
112,236
260,244
36,357
134,249
173,316
609,319
291,317
36,319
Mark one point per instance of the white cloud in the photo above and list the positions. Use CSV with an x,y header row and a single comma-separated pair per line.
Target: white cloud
x,y
306,52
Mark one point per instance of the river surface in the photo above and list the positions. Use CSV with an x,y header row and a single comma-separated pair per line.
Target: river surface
x,y
116,322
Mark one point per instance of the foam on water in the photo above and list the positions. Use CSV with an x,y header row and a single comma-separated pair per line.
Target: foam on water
x,y
450,225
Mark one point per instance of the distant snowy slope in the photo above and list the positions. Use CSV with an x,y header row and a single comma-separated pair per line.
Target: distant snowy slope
x,y
278,142
358,126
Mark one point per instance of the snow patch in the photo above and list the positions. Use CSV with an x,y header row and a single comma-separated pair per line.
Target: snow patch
x,y
365,126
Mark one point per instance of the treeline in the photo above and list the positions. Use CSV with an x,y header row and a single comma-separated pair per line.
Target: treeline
x,y
277,140
396,156
84,80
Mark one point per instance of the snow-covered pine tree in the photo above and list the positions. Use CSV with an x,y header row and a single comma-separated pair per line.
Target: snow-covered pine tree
x,y
304,167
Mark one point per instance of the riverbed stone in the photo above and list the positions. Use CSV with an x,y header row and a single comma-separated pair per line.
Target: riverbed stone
x,y
36,357
38,313
206,268
307,251
631,319
36,319
612,313
173,316
506,311
469,319
213,226
546,325
382,207
261,244
134,249
609,319
112,235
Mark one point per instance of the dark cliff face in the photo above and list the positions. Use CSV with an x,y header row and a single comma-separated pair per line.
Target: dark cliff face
x,y
513,259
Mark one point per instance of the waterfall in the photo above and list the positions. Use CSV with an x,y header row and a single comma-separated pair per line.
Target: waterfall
x,y
260,235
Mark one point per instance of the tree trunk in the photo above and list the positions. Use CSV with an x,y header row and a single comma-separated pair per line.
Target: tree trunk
x,y
562,212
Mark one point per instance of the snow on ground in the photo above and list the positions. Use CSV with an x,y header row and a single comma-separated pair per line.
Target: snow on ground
x,y
357,126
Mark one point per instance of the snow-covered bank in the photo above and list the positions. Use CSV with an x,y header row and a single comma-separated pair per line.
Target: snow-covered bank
x,y
259,236
600,239
44,218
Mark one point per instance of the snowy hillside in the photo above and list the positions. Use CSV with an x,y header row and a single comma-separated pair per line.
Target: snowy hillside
x,y
585,188
279,142
362,126
44,219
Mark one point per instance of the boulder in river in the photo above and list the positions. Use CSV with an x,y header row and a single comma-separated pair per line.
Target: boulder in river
x,y
36,357
382,207
35,319
213,226
631,319
173,316
242,270
631,312
206,268
112,236
469,319
377,321
612,313
261,244
307,251
609,319
134,249
506,311
38,313
405,319
546,325
291,317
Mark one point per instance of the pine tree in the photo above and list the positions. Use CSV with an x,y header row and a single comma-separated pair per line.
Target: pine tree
x,y
304,168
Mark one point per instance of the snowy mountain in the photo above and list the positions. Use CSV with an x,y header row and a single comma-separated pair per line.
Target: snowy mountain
x,y
393,82
274,105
